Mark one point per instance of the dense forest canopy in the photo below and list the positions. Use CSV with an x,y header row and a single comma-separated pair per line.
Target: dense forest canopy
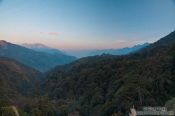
x,y
107,84
102,85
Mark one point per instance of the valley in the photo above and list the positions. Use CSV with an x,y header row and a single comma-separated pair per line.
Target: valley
x,y
93,86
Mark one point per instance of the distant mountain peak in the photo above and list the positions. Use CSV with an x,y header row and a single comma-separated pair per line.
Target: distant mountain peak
x,y
3,43
43,48
42,61
35,45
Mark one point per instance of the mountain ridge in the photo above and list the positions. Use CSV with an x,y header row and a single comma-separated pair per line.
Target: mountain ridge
x,y
43,48
119,51
108,84
38,60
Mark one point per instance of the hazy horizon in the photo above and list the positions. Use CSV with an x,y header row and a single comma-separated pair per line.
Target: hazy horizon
x,y
86,24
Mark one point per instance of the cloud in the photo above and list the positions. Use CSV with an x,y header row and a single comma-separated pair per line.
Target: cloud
x,y
53,33
50,33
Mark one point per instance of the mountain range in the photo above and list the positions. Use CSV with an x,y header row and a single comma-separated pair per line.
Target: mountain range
x,y
42,61
120,51
102,85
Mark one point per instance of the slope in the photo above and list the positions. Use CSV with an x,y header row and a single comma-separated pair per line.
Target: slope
x,y
38,60
107,84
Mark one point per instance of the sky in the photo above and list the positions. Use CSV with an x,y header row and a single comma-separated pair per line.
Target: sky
x,y
86,24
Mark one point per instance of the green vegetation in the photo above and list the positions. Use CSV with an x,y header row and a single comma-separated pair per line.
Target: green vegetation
x,y
104,85
170,104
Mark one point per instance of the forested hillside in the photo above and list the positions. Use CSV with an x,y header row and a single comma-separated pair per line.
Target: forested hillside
x,y
17,82
103,85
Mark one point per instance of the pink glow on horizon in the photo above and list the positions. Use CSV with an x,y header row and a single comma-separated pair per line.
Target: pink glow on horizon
x,y
50,33
63,44
78,46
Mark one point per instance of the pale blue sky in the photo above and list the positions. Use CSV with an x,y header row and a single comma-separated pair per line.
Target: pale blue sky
x,y
86,24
